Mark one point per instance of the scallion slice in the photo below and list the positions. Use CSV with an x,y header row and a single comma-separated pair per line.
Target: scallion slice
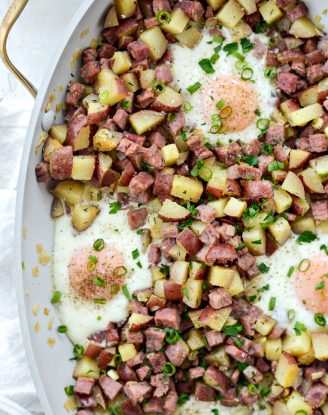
x,y
247,74
193,88
158,87
163,16
320,319
206,65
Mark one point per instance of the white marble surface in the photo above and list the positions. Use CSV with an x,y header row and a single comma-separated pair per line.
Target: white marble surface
x,y
30,45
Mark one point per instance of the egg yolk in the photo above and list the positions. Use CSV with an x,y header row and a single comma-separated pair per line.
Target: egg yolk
x,y
97,275
230,92
311,284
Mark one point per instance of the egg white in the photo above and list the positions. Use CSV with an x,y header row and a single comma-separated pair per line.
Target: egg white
x,y
281,286
82,317
187,72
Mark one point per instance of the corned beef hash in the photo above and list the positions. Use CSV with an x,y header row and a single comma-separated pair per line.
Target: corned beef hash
x,y
190,184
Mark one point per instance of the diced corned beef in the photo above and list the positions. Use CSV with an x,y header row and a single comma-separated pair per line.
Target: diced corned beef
x,y
189,241
93,349
130,408
281,153
206,213
177,353
126,373
151,22
300,10
289,56
61,163
140,183
137,307
196,372
254,148
121,118
104,358
196,145
243,171
262,365
317,394
161,383
74,94
228,154
248,398
219,298
276,134
177,123
162,186
253,374
315,57
221,253
315,73
170,402
138,50
158,139
284,3
112,335
136,360
166,245
154,255
89,71
193,9
233,187
227,231
146,98
164,73
236,353
84,401
287,82
137,217
137,391
42,172
276,333
209,12
209,235
126,27
154,405
155,338
170,230
84,386
320,210
135,138
323,45
313,374
127,174
214,338
168,317
271,59
318,143
88,55
156,361
216,378
153,157
106,51
159,5
204,393
253,19
155,303
143,372
258,189
85,412
110,387
299,68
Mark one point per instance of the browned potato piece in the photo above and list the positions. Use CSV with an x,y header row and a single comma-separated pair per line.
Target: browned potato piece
x,y
219,318
111,18
320,165
139,321
87,368
273,349
215,4
235,208
217,185
121,62
280,230
179,271
145,120
190,37
156,41
170,154
57,208
177,23
97,112
195,339
248,5
294,185
192,293
168,101
131,82
127,351
296,404
297,345
255,240
282,199
320,345
49,147
241,30
230,14
186,188
59,132
221,276
147,78
270,11
304,224
113,92
287,370
105,140
309,96
304,28
83,216
304,115
265,324
70,191
125,8
173,212
83,167
298,158
177,252
311,181
197,270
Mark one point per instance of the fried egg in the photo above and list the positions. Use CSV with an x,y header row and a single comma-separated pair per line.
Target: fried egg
x,y
240,103
94,285
295,286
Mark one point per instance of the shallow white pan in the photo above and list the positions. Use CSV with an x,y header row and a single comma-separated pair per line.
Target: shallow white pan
x,y
50,365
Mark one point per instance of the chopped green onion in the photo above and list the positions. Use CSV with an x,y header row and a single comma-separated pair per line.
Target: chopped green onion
x,y
140,232
301,412
247,74
299,328
120,271
99,300
304,265
239,56
114,207
276,165
225,112
56,297
185,224
214,58
270,72
265,391
240,65
125,104
126,292
320,286
187,106
233,329
246,45
263,124
193,88
103,96
238,342
163,16
230,48
158,87
272,41
99,281
251,212
291,315
272,303
264,288
172,336
206,174
62,329
164,269
257,112
169,369
69,390
218,39
185,293
206,65
251,160
320,319
252,389
215,411
114,289
183,135
78,351
135,253
219,104
306,237
183,398
324,248
290,271
99,245
267,149
257,242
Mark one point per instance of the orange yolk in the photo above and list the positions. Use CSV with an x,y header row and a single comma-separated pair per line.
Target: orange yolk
x,y
312,284
240,95
97,278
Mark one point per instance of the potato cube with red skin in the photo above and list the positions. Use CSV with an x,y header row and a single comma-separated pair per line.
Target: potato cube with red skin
x,y
87,368
192,292
138,321
112,92
197,270
177,23
127,351
83,216
196,339
145,120
296,404
105,140
168,289
83,167
186,188
173,212
215,378
230,14
169,101
311,180
189,241
215,319
287,370
97,112
320,345
235,208
179,271
156,42
78,133
294,185
298,158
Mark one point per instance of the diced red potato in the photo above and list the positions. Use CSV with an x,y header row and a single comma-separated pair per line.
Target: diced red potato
x,y
78,132
189,241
